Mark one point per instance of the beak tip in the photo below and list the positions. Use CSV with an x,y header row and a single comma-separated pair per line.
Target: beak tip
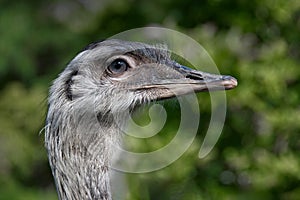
x,y
229,82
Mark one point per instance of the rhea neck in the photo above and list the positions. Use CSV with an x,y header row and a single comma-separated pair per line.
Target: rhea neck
x,y
80,149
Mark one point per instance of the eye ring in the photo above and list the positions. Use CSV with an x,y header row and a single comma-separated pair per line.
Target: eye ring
x,y
118,66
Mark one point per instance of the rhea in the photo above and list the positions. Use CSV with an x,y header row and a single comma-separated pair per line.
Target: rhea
x,y
88,100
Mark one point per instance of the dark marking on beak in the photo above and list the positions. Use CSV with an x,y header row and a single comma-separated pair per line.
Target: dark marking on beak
x,y
212,81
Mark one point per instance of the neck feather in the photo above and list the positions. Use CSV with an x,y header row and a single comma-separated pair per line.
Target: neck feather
x,y
80,155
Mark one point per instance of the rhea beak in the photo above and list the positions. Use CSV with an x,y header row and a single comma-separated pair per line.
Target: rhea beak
x,y
167,81
202,81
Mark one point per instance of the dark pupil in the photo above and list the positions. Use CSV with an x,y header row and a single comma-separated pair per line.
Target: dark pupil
x,y
118,66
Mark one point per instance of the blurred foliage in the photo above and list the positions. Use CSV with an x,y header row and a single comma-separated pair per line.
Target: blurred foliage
x,y
257,156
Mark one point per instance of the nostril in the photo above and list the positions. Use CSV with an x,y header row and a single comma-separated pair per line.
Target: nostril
x,y
196,77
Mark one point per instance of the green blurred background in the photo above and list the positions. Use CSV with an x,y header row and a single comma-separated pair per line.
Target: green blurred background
x,y
258,41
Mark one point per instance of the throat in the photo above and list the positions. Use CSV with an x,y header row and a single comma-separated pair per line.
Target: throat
x,y
80,151
89,182
83,176
81,165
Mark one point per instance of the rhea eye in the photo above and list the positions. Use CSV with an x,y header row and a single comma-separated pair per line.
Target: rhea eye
x,y
118,66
